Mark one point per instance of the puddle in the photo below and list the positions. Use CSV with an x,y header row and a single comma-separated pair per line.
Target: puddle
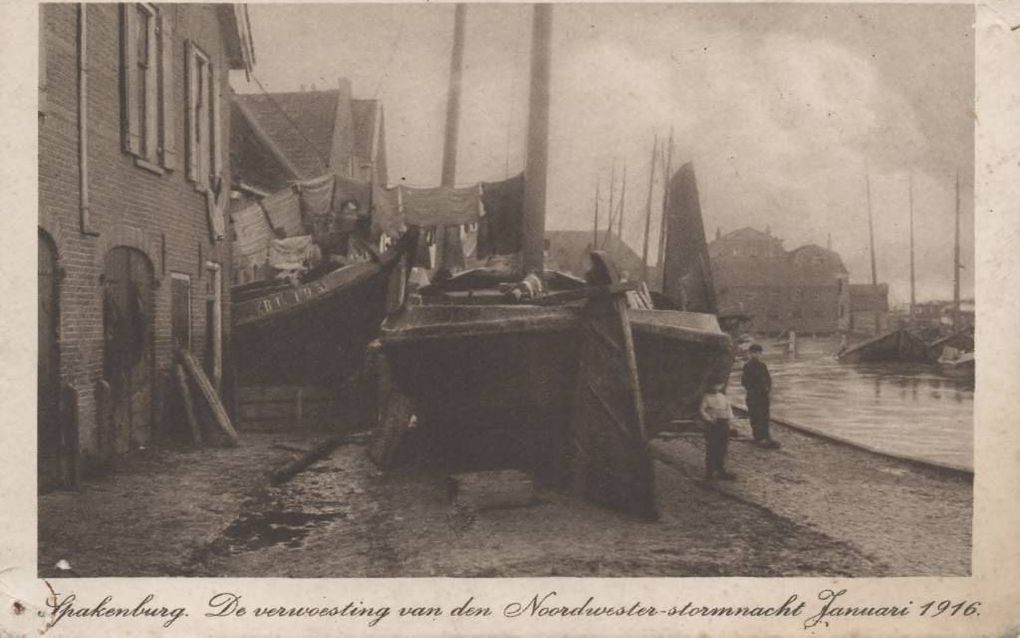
x,y
258,530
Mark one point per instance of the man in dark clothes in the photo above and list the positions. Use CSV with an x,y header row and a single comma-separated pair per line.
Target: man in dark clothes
x,y
758,384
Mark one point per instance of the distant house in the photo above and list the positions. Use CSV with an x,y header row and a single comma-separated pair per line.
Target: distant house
x,y
284,137
133,115
568,250
869,308
281,138
804,290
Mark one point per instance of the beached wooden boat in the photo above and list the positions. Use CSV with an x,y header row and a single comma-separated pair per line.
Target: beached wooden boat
x,y
898,345
316,333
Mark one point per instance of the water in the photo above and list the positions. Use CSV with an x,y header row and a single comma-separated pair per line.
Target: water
x,y
910,409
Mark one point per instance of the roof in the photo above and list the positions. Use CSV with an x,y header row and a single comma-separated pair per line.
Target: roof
x,y
300,124
234,25
305,133
748,234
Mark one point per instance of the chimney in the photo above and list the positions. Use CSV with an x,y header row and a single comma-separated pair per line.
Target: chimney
x,y
313,86
302,88
718,233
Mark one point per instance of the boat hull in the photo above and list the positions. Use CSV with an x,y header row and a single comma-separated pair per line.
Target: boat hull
x,y
490,386
316,333
678,353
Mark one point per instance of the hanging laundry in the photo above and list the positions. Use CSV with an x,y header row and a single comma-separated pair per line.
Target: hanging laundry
x,y
440,206
500,229
284,212
386,217
423,251
293,253
253,236
346,189
215,203
316,197
469,241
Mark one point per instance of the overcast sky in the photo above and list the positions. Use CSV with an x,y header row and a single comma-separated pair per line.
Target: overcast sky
x,y
784,109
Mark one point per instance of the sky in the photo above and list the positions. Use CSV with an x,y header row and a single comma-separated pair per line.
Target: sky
x,y
788,112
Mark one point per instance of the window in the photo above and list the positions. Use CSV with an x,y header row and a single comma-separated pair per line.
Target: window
x,y
147,76
204,150
180,310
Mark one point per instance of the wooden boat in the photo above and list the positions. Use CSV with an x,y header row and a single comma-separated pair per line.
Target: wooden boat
x,y
557,383
898,345
315,333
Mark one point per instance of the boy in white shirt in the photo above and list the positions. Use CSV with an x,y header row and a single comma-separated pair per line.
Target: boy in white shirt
x,y
716,412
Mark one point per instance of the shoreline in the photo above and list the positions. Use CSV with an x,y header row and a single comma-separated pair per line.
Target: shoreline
x,y
951,468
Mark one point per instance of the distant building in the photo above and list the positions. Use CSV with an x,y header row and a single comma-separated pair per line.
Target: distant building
x,y
805,290
869,308
281,138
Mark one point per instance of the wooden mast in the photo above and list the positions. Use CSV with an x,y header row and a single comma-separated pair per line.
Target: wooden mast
x,y
595,239
535,171
619,217
445,240
871,230
956,260
612,198
668,167
913,297
648,211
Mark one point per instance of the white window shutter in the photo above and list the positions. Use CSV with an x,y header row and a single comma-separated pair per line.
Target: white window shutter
x,y
217,126
191,80
167,84
129,79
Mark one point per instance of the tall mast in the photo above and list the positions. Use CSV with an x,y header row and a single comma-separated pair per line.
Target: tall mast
x,y
595,239
445,240
648,211
913,298
956,260
533,257
612,201
623,197
667,169
871,231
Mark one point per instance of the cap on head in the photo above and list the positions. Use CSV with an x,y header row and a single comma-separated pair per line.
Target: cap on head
x,y
755,348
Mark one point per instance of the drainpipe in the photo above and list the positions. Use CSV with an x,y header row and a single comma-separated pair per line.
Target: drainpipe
x,y
83,158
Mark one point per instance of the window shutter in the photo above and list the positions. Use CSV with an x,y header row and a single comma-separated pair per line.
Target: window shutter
x,y
129,73
169,123
216,142
191,79
43,44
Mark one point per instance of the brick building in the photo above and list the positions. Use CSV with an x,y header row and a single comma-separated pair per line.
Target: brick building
x,y
133,121
869,308
805,289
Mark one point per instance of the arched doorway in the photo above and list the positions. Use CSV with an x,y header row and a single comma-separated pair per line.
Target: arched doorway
x,y
50,447
127,348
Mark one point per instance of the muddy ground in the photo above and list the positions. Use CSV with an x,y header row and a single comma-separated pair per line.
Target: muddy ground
x,y
812,508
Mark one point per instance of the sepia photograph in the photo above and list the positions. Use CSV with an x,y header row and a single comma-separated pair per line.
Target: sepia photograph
x,y
506,290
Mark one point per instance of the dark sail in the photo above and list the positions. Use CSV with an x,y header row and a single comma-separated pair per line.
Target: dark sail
x,y
687,274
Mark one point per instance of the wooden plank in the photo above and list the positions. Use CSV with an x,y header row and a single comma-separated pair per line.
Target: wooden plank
x,y
611,464
395,411
189,406
212,400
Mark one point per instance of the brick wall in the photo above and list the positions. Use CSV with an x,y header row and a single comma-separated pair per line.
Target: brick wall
x,y
161,215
